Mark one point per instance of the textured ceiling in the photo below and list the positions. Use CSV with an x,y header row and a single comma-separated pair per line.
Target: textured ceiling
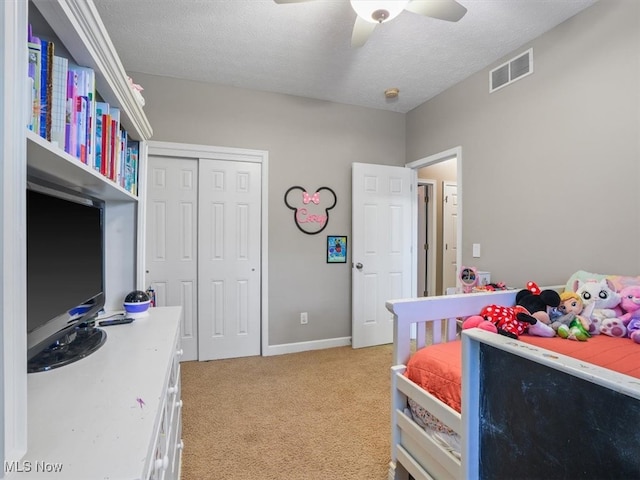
x,y
304,48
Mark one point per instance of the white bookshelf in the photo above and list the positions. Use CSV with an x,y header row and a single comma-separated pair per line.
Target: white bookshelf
x,y
48,162
78,31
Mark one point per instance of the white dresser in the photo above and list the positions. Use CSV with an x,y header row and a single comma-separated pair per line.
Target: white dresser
x,y
115,414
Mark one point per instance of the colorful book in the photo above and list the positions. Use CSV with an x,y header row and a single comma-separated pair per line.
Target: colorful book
x,y
115,142
106,144
35,53
113,149
133,151
102,108
46,87
71,126
87,88
83,119
58,101
122,153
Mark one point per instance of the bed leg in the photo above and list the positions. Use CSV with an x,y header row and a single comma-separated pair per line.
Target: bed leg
x,y
398,472
392,471
398,403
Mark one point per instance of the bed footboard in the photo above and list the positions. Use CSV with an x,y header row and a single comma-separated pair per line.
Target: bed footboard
x,y
412,315
419,322
414,447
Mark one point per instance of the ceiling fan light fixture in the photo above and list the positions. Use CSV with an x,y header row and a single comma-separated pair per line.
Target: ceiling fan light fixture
x,y
378,11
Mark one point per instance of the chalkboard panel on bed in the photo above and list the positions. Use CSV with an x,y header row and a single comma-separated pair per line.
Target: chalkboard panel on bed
x,y
536,421
540,423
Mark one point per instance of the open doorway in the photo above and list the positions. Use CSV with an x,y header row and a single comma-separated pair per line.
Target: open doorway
x,y
438,225
427,227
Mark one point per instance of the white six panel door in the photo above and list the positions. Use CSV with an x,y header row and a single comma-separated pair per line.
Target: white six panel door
x,y
229,263
171,240
381,230
450,236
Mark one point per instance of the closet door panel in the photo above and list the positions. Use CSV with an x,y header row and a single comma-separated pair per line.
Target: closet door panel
x,y
229,265
171,241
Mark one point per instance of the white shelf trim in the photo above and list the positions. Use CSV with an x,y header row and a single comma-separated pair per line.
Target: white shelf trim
x,y
13,119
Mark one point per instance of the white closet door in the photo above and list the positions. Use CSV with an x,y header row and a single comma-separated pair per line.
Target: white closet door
x,y
229,259
171,243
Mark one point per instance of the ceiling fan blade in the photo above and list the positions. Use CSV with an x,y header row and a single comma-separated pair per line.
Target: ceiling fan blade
x,y
448,10
362,30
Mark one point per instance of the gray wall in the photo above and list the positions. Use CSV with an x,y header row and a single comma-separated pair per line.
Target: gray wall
x,y
550,167
310,143
549,176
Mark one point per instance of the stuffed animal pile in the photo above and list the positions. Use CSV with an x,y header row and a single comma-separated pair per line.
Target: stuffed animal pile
x,y
529,315
612,313
593,308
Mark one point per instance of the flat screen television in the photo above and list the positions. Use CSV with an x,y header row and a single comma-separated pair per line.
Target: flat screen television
x,y
65,275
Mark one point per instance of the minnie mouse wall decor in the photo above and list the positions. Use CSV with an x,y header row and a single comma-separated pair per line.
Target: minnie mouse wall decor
x,y
310,210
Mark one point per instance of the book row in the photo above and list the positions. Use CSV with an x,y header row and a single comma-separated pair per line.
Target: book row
x,y
65,110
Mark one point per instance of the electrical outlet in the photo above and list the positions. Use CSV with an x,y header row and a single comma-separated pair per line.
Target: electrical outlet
x,y
304,318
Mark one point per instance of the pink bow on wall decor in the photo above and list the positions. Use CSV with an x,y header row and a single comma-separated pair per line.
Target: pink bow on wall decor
x,y
310,210
315,198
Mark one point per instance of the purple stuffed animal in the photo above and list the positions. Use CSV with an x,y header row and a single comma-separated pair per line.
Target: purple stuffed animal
x,y
630,303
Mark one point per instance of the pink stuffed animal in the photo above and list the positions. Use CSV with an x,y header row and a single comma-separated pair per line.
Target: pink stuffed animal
x,y
479,322
630,304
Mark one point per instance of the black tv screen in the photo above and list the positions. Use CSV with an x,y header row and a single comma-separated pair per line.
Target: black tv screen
x,y
65,263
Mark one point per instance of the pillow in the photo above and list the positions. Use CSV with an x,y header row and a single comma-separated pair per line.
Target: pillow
x,y
583,276
618,281
621,281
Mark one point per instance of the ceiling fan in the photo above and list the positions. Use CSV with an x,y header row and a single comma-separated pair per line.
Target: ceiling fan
x,y
371,13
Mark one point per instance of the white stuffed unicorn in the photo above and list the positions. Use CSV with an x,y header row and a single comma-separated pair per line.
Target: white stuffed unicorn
x,y
601,306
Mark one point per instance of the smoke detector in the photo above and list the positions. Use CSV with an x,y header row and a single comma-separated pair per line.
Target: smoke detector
x,y
391,92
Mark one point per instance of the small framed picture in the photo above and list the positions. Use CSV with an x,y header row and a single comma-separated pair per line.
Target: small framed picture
x,y
336,249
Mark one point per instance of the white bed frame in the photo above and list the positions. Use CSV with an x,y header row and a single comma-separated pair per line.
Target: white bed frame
x,y
413,452
411,448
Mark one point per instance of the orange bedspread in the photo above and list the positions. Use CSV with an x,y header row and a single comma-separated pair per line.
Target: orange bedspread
x,y
437,368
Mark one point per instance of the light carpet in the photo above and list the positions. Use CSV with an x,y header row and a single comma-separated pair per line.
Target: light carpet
x,y
322,414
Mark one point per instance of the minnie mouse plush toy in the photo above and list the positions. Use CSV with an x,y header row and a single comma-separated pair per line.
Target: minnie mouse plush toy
x,y
529,315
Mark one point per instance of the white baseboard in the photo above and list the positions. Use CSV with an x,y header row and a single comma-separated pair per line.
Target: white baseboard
x,y
305,346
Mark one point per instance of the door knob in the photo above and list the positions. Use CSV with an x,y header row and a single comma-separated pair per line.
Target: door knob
x,y
359,266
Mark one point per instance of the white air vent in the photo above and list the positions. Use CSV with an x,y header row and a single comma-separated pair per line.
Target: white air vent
x,y
513,70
